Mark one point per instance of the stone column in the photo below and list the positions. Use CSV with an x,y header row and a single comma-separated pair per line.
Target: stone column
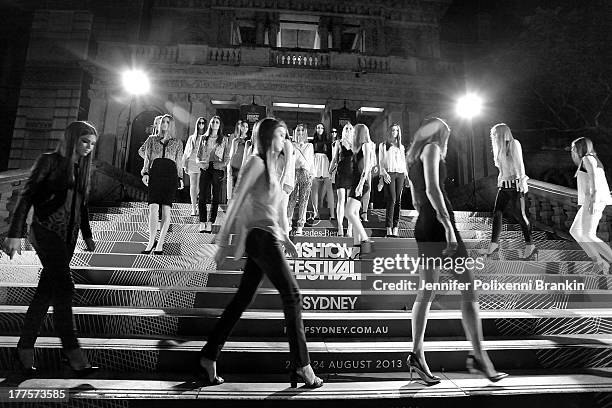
x,y
181,113
274,29
260,29
337,28
323,31
200,106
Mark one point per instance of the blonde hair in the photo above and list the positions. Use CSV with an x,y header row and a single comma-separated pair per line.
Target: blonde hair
x,y
171,127
583,146
156,123
361,136
501,141
305,137
348,132
433,130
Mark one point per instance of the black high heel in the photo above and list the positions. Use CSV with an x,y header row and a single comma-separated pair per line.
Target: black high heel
x,y
474,367
204,377
156,252
145,252
490,254
415,364
533,256
23,370
294,376
81,372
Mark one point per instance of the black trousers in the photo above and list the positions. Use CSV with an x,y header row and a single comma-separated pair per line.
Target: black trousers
x,y
211,179
511,203
55,287
265,256
393,198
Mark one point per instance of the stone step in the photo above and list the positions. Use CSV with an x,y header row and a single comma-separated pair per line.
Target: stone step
x,y
387,282
177,323
327,357
19,293
528,388
182,208
202,258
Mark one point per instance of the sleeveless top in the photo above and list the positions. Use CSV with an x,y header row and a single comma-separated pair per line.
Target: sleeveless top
x,y
259,209
323,146
358,163
416,174
583,182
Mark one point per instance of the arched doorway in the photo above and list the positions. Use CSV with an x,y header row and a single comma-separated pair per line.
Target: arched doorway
x,y
141,129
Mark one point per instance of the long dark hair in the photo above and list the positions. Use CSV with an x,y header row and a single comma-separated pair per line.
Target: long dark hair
x,y
220,135
433,130
65,148
323,139
263,133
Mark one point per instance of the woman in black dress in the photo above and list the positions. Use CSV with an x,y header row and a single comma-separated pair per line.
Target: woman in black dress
x,y
162,172
322,156
361,159
342,166
438,238
57,188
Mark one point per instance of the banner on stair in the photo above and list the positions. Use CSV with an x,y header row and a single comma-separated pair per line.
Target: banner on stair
x,y
325,261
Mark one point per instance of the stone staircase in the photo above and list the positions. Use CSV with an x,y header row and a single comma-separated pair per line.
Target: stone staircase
x,y
144,317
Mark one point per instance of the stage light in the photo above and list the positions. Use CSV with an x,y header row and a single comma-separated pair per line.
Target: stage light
x,y
136,82
469,106
218,102
370,109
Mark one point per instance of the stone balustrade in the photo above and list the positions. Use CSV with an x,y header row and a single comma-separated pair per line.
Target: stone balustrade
x,y
299,59
11,183
554,207
115,53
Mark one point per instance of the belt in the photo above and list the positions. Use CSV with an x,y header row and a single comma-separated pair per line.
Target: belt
x,y
509,184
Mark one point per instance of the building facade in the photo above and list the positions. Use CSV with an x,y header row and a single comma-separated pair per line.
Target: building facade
x,y
302,60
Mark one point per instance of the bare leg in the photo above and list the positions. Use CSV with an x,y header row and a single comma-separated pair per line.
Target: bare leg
x,y
420,311
194,190
473,327
340,209
329,193
352,213
153,222
164,227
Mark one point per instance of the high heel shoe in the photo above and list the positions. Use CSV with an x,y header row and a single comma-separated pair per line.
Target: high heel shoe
x,y
533,256
474,367
23,370
156,252
415,364
490,254
366,247
148,252
601,267
294,376
204,377
84,371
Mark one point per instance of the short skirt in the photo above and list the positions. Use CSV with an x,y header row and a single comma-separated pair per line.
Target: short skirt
x,y
163,182
191,167
321,165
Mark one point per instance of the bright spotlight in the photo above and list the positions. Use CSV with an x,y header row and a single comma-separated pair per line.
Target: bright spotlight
x,y
469,106
136,82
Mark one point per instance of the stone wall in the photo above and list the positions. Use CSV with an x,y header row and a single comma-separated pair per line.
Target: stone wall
x,y
50,94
